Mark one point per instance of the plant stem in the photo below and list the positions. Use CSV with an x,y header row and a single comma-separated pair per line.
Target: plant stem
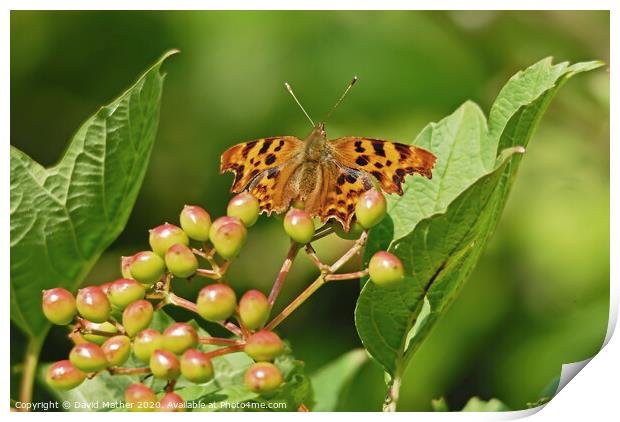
x,y
129,371
393,394
212,274
347,276
286,267
357,246
30,369
224,351
296,303
218,341
315,259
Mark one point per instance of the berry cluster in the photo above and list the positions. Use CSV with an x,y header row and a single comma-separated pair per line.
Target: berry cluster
x,y
111,321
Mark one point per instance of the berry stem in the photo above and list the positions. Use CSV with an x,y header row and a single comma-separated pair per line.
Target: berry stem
x,y
218,341
315,259
129,371
225,350
212,274
231,327
296,303
347,276
322,232
97,333
286,267
322,279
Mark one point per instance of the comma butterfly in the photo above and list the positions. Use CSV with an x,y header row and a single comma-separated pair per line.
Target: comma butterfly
x,y
327,176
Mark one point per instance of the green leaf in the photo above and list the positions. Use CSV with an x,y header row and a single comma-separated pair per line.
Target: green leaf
x,y
65,216
439,228
330,381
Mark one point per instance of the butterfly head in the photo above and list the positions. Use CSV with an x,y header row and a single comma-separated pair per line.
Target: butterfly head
x,y
315,142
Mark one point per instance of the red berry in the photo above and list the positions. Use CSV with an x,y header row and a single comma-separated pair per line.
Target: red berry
x,y
59,306
117,350
245,207
93,326
166,235
196,222
147,267
88,357
385,269
179,337
164,364
140,398
370,208
181,261
146,342
299,226
216,302
93,304
137,316
196,366
171,402
228,235
63,375
124,291
264,346
253,309
263,378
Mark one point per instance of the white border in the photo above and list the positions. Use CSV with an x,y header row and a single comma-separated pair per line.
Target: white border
x,y
592,394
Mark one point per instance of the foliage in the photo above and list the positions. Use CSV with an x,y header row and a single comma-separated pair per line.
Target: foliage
x,y
439,227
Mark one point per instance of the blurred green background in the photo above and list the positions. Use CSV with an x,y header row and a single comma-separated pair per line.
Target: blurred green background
x,y
539,297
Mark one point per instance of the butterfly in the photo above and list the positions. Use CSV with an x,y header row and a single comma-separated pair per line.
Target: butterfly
x,y
327,176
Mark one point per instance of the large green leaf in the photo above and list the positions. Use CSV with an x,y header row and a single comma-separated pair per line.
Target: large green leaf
x,y
65,216
330,381
439,228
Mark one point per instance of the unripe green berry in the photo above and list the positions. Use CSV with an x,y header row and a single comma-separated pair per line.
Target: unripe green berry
x,y
107,327
140,398
253,309
117,350
370,208
181,261
299,226
124,291
354,233
59,306
216,302
263,378
385,269
93,304
179,337
88,357
63,375
147,267
137,316
196,222
264,346
228,235
171,402
166,235
146,342
196,366
164,365
245,207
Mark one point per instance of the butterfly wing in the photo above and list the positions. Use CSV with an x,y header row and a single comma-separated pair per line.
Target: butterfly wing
x,y
388,162
250,159
337,192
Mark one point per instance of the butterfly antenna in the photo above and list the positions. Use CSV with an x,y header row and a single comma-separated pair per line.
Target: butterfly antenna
x,y
342,97
290,90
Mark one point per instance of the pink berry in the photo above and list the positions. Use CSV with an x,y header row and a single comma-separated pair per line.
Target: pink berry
x,y
59,306
299,226
385,269
63,375
245,207
370,208
216,302
196,222
166,235
264,346
93,304
253,309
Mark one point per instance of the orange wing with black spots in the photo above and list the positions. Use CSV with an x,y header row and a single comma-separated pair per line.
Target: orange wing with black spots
x,y
339,191
248,160
388,162
273,187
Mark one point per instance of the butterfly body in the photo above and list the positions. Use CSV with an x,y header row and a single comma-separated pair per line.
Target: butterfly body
x,y
327,176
